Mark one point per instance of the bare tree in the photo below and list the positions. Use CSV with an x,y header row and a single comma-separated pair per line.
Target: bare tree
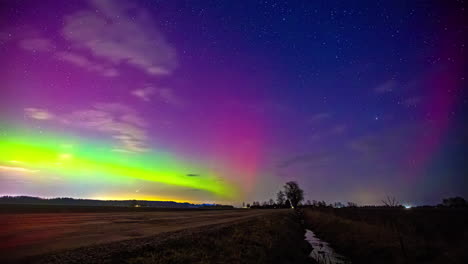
x,y
454,202
391,201
280,198
338,205
294,193
271,202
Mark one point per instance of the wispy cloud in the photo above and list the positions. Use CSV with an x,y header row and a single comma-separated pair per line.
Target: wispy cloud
x,y
169,97
38,113
36,44
320,117
84,62
143,93
112,33
412,101
165,95
121,32
16,169
41,44
315,137
366,145
388,142
119,121
338,129
310,159
385,87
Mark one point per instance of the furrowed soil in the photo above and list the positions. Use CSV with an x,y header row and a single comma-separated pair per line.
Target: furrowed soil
x,y
191,236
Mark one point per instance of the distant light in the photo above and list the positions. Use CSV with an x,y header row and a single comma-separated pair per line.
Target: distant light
x,y
407,206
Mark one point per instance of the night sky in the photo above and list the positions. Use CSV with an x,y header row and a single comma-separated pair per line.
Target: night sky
x,y
225,101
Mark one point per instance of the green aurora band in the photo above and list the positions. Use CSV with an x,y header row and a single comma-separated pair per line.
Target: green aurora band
x,y
53,154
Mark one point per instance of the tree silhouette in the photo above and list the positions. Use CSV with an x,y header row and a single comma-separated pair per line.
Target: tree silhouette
x,y
271,202
454,202
133,203
391,201
294,193
280,198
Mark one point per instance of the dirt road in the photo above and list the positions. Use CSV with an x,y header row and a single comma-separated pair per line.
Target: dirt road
x,y
24,235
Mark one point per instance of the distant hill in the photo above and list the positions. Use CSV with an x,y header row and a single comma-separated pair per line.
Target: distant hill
x,y
88,202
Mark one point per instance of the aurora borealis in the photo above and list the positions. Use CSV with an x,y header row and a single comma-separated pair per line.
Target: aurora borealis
x,y
86,162
224,101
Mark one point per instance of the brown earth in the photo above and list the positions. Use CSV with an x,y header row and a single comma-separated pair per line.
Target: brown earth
x,y
275,238
25,235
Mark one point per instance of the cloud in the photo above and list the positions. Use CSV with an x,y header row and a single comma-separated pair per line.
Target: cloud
x,y
395,141
133,119
412,101
335,130
38,113
111,34
367,145
338,129
36,44
5,37
84,62
311,159
40,44
315,137
121,32
119,121
320,117
168,96
16,169
385,87
144,93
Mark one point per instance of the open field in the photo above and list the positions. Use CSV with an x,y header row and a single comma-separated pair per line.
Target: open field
x,y
394,235
266,238
31,234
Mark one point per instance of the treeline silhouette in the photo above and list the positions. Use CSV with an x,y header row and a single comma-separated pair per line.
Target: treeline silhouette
x,y
292,196
452,202
89,202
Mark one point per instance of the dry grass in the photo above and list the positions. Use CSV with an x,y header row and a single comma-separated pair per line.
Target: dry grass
x,y
267,239
380,242
276,237
29,234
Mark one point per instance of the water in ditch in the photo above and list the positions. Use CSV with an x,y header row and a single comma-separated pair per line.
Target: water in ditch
x,y
322,252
